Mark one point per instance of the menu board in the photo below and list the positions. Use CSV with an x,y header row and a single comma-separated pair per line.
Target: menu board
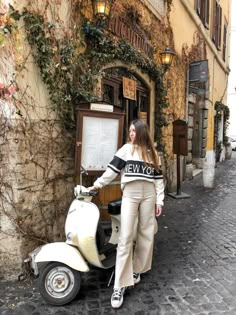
x,y
99,142
98,137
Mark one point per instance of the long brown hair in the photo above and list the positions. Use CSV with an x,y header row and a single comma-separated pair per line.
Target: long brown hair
x,y
144,141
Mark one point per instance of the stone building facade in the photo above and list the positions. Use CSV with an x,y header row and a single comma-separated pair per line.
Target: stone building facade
x,y
55,56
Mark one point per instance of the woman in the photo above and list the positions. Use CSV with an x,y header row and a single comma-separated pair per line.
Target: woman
x,y
143,195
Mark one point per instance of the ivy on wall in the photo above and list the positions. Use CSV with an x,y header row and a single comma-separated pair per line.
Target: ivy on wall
x,y
71,75
102,50
70,64
55,59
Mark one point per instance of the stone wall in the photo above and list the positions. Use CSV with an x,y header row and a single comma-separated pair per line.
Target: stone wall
x,y
37,170
37,155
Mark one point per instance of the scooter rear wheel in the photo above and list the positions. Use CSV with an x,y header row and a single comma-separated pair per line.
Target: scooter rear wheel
x,y
58,283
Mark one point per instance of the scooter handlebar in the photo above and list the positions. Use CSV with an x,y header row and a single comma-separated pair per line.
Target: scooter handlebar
x,y
89,193
93,193
83,192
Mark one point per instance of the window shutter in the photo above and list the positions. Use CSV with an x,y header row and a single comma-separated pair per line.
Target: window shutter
x,y
219,28
206,22
198,6
202,9
224,42
214,22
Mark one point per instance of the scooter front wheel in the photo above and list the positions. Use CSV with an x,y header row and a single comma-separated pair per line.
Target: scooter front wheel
x,y
58,283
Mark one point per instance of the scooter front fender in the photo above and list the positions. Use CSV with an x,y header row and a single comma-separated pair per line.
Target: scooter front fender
x,y
64,253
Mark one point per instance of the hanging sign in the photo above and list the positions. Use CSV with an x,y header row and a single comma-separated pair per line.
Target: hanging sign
x,y
129,88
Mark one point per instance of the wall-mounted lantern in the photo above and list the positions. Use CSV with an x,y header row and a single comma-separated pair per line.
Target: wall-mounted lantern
x,y
166,58
102,8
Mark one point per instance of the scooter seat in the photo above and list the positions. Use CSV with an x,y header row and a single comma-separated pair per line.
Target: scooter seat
x,y
114,207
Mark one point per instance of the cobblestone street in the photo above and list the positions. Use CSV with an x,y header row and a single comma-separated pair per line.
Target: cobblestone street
x,y
194,265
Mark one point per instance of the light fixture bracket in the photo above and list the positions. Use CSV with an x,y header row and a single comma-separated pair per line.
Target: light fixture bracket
x,y
166,58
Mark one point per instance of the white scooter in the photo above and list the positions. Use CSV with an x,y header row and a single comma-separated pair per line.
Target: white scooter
x,y
59,264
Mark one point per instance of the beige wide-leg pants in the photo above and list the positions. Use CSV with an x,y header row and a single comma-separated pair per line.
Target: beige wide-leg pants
x,y
138,201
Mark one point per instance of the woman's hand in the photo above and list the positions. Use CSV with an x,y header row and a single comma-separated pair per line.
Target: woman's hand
x,y
158,210
92,188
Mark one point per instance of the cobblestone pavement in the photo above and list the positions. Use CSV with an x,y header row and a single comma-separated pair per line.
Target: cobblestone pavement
x,y
194,265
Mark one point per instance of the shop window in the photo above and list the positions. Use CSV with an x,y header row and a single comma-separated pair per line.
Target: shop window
x,y
112,90
202,9
108,93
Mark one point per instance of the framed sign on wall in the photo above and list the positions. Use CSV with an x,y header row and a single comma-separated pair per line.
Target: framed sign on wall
x,y
98,137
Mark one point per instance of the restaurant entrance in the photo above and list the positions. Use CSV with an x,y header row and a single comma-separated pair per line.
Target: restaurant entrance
x,y
130,98
113,93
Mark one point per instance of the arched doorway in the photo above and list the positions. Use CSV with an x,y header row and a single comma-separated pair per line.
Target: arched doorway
x,y
112,93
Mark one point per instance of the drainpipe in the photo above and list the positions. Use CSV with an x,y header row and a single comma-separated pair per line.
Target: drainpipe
x,y
188,168
187,93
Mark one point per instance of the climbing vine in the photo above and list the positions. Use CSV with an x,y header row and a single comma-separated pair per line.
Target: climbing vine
x,y
36,185
103,49
56,61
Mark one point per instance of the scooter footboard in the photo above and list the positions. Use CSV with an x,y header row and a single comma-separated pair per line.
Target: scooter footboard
x,y
63,253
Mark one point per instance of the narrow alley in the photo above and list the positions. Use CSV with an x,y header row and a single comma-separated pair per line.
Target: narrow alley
x,y
194,265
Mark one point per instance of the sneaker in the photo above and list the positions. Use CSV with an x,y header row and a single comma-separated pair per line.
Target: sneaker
x,y
117,297
136,277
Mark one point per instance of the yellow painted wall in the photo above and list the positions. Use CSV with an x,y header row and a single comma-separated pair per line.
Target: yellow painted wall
x,y
185,23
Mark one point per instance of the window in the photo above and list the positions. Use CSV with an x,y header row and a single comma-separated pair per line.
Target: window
x,y
217,22
202,8
224,40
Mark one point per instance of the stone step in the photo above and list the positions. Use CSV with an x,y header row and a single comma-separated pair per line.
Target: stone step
x,y
196,171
